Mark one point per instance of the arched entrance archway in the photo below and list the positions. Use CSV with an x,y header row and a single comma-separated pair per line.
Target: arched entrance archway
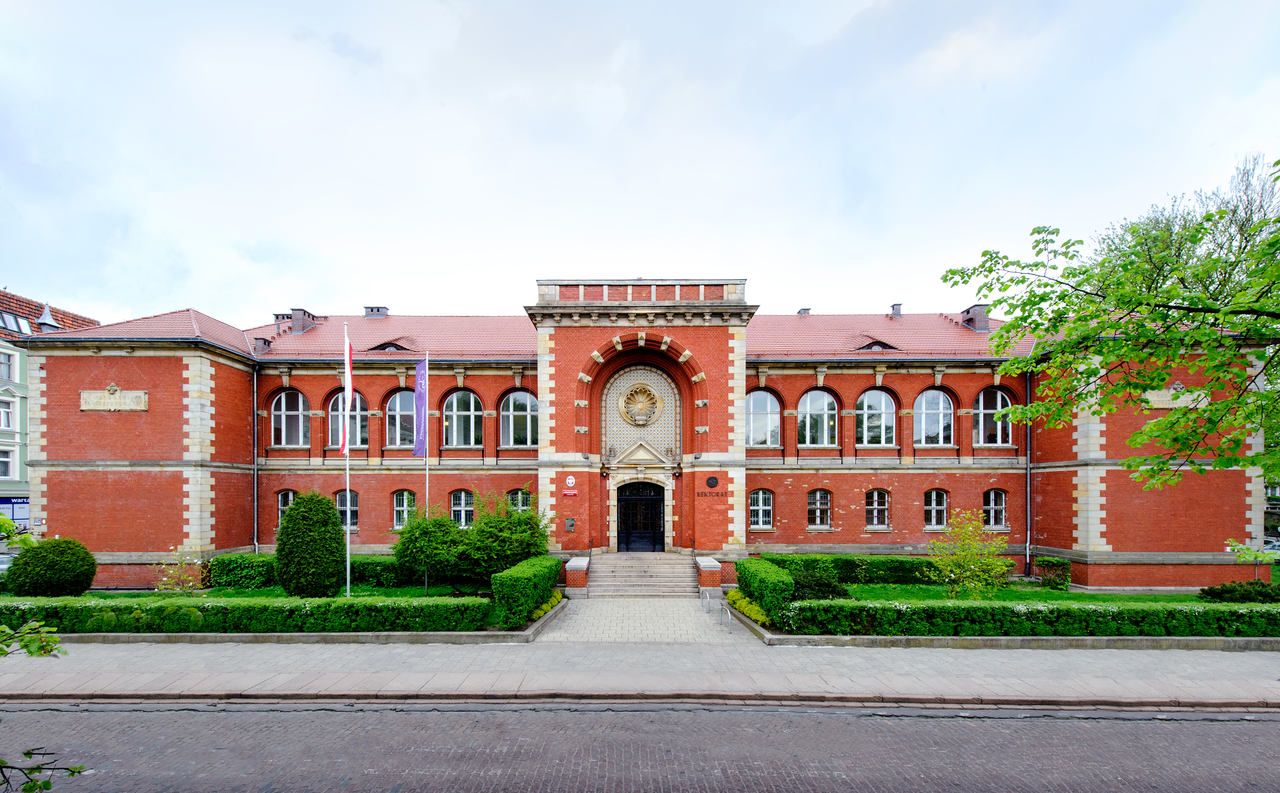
x,y
641,517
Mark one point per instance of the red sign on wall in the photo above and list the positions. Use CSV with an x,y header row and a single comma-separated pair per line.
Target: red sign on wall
x,y
568,492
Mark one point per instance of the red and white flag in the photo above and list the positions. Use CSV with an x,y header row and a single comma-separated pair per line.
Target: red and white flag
x,y
348,392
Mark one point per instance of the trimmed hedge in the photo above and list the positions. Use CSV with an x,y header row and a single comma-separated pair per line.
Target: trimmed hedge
x,y
969,618
379,571
744,605
249,615
52,568
1242,592
243,570
310,553
520,589
814,574
767,584
856,568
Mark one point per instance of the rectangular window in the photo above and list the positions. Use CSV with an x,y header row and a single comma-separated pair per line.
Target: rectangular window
x,y
6,366
8,467
878,509
761,509
402,506
348,502
283,499
10,321
935,509
819,508
6,415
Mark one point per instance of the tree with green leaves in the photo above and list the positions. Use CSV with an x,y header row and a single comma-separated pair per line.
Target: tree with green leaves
x,y
969,560
310,552
1176,312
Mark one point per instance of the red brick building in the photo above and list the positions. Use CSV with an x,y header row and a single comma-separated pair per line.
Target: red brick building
x,y
647,414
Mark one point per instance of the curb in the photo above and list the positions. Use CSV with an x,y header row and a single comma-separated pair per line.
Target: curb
x,y
525,636
1222,643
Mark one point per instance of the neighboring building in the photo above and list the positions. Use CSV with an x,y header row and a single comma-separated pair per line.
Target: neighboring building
x,y
21,317
647,414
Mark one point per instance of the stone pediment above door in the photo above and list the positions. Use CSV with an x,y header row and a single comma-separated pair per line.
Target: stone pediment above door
x,y
641,454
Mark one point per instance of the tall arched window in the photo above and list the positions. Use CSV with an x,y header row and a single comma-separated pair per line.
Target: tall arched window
x,y
935,509
994,514
462,420
761,509
348,502
878,509
358,420
819,509
519,419
403,503
933,419
817,419
987,429
764,423
283,500
520,500
876,418
462,507
400,418
290,424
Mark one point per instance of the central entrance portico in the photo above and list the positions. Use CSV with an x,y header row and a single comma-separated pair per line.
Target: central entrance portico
x,y
641,519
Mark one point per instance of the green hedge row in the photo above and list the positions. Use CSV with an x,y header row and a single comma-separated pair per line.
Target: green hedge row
x,y
867,618
258,571
519,590
853,568
770,586
249,615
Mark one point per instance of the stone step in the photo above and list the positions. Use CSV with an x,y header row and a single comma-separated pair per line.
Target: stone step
x,y
639,594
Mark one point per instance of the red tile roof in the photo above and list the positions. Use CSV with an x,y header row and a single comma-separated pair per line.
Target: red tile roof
x,y
446,338
32,309
174,325
839,337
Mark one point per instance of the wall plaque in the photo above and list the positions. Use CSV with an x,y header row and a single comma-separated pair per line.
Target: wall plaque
x,y
113,400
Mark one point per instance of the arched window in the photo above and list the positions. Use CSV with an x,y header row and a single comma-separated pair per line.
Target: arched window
x,y
462,507
878,509
876,418
935,509
819,509
403,503
520,500
987,429
761,508
358,420
289,420
348,502
764,424
400,418
283,499
933,419
994,514
817,419
519,419
462,420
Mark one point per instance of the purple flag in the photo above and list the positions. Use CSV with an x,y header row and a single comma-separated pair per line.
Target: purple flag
x,y
420,410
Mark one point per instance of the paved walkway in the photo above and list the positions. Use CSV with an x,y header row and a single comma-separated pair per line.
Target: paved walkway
x,y
648,620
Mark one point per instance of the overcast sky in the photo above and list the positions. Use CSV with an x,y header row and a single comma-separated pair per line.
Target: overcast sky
x,y
246,158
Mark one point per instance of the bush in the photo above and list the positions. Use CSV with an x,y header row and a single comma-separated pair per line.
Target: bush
x,y
52,568
768,585
310,552
243,570
428,549
969,618
743,604
250,615
967,559
541,611
497,539
1054,572
814,574
379,571
520,590
1242,592
854,568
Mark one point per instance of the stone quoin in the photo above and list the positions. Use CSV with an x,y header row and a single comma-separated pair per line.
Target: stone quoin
x,y
654,414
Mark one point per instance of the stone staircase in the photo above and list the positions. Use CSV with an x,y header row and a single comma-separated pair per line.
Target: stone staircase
x,y
621,575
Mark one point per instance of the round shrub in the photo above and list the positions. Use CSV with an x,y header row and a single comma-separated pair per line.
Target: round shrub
x,y
52,568
310,553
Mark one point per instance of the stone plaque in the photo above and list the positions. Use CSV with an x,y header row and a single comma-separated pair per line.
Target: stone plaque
x,y
113,400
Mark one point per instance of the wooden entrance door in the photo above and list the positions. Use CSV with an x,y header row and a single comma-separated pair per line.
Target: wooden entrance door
x,y
640,517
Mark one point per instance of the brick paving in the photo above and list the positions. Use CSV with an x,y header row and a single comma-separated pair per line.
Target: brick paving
x,y
662,620
760,750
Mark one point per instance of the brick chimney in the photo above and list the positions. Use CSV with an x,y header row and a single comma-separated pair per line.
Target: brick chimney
x,y
976,317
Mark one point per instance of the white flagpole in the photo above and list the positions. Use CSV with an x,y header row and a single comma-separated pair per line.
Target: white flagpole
x,y
346,441
426,412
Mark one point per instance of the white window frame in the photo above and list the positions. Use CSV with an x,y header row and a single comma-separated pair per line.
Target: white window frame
x,y
400,421
989,401
9,460
995,509
6,414
521,500
824,418
8,362
462,507
879,405
463,422
284,414
877,505
761,509
511,414
819,504
284,499
934,411
763,408
348,504
403,505
936,515
358,420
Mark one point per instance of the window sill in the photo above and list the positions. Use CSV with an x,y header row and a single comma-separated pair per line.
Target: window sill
x,y
351,529
397,448
996,529
339,448
878,529
827,447
462,448
873,446
927,446
936,529
761,446
995,446
762,529
288,448
533,448
820,529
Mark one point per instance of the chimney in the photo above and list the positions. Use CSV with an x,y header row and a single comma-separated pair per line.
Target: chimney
x,y
804,312
976,317
376,311
303,320
261,345
895,310
46,322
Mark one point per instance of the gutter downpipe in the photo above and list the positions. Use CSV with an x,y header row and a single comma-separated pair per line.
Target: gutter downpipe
x,y
1026,513
253,414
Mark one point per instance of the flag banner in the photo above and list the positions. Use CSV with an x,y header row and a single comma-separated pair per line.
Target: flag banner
x,y
347,392
420,410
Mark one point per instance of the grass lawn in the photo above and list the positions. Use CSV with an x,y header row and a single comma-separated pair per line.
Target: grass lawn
x,y
1015,593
